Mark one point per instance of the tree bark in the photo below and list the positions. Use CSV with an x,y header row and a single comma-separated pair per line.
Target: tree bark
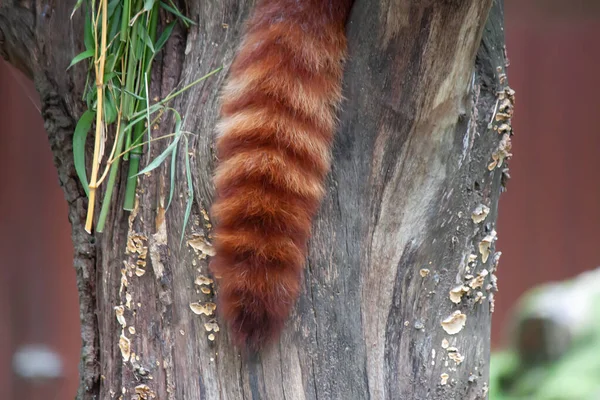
x,y
413,160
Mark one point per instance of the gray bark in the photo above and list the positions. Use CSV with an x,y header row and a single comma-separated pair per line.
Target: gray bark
x,y
393,236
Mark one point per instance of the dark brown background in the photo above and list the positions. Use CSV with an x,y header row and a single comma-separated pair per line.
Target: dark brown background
x,y
548,225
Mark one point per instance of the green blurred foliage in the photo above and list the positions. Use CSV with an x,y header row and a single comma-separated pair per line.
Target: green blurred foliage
x,y
574,376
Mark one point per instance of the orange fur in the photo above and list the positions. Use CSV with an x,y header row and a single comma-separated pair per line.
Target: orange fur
x,y
276,129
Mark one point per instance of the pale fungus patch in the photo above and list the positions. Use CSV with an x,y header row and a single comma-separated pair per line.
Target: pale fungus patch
x,y
504,128
203,280
125,346
480,213
477,282
479,297
124,280
454,323
492,301
494,282
206,308
501,153
211,327
136,243
119,311
506,105
424,272
484,245
200,245
144,392
496,261
454,355
444,378
204,215
457,293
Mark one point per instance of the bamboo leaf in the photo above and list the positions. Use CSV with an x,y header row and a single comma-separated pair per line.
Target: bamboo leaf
x,y
109,77
125,20
110,109
173,169
141,98
79,137
148,122
76,7
112,6
88,34
90,98
159,159
164,36
115,23
177,13
141,115
80,57
148,4
190,200
146,38
109,64
173,166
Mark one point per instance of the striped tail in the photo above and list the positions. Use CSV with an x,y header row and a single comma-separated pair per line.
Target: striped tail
x,y
274,142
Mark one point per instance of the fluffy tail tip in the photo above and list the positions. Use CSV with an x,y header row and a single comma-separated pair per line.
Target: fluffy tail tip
x,y
254,321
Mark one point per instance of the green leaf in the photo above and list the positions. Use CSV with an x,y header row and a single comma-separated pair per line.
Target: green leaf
x,y
168,151
146,39
164,36
177,13
190,200
115,21
109,76
173,168
159,159
141,98
148,4
77,5
125,20
141,115
177,135
80,57
110,109
112,6
79,136
109,62
148,121
133,52
88,34
90,97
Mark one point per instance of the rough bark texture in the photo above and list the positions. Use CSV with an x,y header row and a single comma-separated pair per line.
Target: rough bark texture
x,y
410,166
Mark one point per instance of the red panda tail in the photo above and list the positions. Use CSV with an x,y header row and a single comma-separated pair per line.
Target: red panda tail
x,y
274,140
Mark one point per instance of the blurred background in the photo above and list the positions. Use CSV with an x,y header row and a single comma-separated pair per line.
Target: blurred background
x,y
548,224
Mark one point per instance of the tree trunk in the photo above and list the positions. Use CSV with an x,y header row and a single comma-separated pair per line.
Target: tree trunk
x,y
416,163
